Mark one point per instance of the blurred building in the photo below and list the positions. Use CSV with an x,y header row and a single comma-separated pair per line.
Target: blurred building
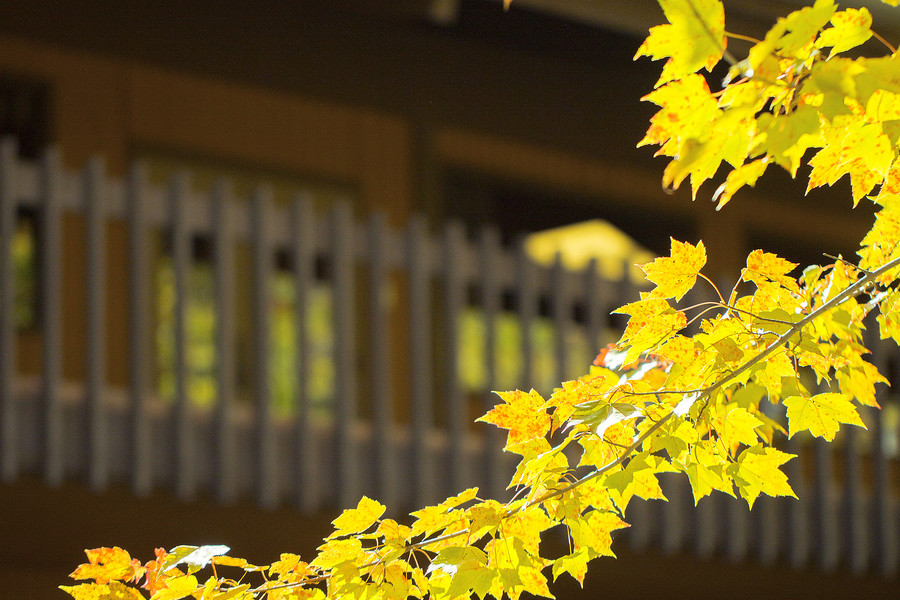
x,y
424,111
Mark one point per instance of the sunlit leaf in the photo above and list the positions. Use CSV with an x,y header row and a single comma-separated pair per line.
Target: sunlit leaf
x,y
675,275
354,520
821,414
693,39
851,28
109,564
758,472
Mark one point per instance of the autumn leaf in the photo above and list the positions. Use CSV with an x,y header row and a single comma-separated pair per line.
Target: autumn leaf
x,y
786,138
354,520
652,322
433,518
334,552
757,471
764,266
745,175
521,413
675,275
200,557
95,591
851,28
687,108
693,39
177,588
853,147
109,564
794,34
593,532
574,564
737,426
821,414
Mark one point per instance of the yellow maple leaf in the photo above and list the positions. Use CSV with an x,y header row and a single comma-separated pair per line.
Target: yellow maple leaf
x,y
676,274
593,532
693,39
109,564
776,367
737,426
335,552
853,147
95,591
177,588
653,320
764,266
746,174
521,413
757,472
687,108
821,414
354,520
850,28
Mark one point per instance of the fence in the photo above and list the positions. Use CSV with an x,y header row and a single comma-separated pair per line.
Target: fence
x,y
397,302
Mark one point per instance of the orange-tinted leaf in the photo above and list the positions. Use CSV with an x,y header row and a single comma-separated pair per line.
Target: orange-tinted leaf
x,y
851,28
687,108
109,564
177,588
763,266
522,414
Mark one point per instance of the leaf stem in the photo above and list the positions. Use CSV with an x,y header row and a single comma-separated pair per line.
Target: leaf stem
x,y
884,41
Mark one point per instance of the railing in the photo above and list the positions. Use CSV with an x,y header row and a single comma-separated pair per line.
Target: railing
x,y
395,420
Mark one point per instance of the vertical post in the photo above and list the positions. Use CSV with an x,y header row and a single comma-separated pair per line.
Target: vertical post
x,y
593,301
560,314
489,246
9,421
380,356
738,530
826,534
883,538
454,300
181,265
527,310
854,503
51,317
770,526
95,355
708,525
138,275
885,545
345,353
303,226
799,509
420,348
676,515
266,442
225,371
